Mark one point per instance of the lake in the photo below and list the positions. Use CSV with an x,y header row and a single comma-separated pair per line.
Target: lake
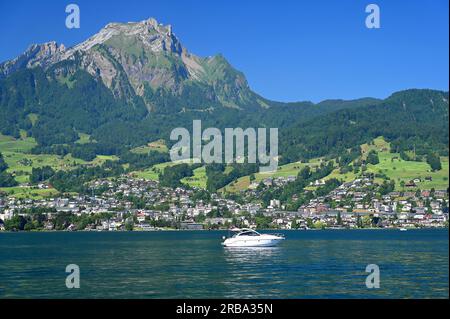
x,y
193,264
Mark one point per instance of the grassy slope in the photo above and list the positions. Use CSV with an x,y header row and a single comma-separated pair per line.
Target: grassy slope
x,y
198,180
379,145
23,192
16,153
152,172
84,138
290,169
390,164
399,170
158,146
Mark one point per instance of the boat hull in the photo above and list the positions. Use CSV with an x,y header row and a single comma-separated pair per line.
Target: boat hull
x,y
234,242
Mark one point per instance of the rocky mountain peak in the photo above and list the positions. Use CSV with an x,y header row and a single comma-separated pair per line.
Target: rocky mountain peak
x,y
149,33
134,58
43,55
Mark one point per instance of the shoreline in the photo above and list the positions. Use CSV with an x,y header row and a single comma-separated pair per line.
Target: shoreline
x,y
212,230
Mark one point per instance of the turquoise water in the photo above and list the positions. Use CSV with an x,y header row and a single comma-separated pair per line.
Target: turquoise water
x,y
193,264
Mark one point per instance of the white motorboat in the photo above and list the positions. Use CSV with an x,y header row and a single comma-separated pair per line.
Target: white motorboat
x,y
247,237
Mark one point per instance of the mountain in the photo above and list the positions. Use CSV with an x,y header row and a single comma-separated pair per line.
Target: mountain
x,y
144,59
132,83
130,78
411,120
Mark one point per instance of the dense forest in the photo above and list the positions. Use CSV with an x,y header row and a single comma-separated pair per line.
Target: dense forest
x,y
64,105
6,179
413,120
55,105
218,177
171,177
304,178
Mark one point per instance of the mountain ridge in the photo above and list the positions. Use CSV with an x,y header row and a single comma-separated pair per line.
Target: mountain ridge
x,y
147,56
132,83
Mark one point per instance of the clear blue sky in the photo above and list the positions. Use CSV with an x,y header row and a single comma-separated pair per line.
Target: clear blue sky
x,y
289,50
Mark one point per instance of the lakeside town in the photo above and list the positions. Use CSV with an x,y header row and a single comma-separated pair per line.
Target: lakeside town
x,y
132,204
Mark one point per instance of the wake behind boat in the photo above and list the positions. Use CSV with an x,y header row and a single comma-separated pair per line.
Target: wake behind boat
x,y
247,237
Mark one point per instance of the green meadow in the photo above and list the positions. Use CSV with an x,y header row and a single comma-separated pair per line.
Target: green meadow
x,y
198,180
25,192
16,153
152,173
158,146
291,169
83,138
398,169
390,165
404,171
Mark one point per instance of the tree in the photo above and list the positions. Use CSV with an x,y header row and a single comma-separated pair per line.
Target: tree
x,y
262,221
434,162
3,165
359,223
171,177
418,193
319,225
129,226
17,222
386,187
372,157
6,179
39,174
339,218
366,221
294,224
305,173
404,156
200,218
402,184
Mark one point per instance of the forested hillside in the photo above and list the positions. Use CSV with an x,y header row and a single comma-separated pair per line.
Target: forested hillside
x,y
132,84
413,120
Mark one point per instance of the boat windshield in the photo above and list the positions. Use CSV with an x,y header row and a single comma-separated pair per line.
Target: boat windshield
x,y
248,233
